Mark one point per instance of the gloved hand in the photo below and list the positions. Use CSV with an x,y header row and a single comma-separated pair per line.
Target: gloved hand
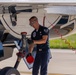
x,y
29,58
30,41
20,54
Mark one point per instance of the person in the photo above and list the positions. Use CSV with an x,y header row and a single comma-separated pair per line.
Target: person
x,y
40,37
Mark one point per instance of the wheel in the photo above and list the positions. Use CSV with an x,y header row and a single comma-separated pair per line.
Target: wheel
x,y
9,71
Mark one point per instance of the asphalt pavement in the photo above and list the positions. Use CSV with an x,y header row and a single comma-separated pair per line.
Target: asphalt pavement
x,y
63,62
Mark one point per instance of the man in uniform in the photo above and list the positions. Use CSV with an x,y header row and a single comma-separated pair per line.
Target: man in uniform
x,y
40,37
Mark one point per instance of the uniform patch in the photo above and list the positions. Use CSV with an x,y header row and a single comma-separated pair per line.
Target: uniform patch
x,y
46,30
34,34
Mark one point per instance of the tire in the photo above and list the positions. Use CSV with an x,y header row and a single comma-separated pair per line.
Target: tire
x,y
9,71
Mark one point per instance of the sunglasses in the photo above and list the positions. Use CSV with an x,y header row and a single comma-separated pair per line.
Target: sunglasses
x,y
31,23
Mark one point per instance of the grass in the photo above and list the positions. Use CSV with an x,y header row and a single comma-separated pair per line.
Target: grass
x,y
68,43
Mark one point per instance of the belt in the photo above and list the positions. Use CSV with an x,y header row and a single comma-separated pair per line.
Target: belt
x,y
40,50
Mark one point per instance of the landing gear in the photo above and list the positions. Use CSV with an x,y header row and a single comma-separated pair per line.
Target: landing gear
x,y
20,55
9,71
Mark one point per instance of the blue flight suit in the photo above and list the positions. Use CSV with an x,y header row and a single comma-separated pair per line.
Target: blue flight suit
x,y
43,51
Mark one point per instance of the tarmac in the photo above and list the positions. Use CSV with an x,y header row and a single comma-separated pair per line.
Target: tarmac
x,y
63,62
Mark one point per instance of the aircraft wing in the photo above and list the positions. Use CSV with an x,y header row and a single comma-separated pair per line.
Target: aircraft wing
x,y
52,6
15,13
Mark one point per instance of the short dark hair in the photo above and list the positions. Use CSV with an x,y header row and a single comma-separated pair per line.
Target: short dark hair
x,y
33,17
